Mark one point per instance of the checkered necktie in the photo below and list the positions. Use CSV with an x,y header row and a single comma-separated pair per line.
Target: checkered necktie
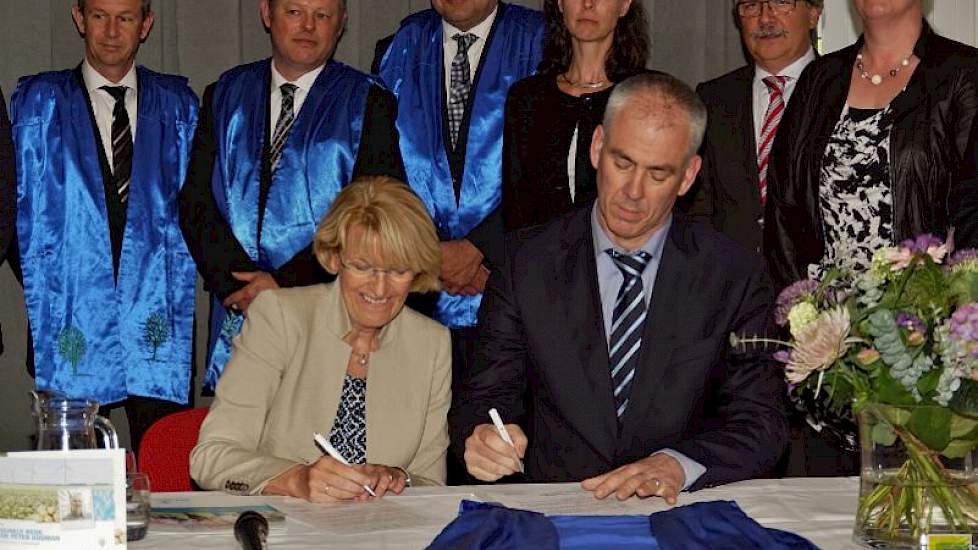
x,y
461,83
121,142
775,109
285,119
626,324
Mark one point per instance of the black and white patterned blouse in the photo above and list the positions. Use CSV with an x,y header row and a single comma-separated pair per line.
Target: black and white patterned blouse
x,y
349,433
855,194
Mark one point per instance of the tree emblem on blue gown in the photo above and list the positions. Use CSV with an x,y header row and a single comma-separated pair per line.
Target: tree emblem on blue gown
x,y
231,326
156,332
72,347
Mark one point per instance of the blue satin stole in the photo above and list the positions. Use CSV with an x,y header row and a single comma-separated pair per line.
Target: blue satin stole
x,y
96,337
413,70
317,161
702,526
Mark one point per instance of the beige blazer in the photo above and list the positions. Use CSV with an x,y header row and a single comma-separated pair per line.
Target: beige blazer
x,y
284,380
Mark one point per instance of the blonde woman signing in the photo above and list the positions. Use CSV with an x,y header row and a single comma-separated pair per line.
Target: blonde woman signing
x,y
345,359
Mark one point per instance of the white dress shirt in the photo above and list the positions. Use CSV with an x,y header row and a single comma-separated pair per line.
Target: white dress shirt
x,y
762,96
450,47
303,84
103,103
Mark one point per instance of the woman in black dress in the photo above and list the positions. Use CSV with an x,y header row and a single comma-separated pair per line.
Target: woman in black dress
x,y
551,116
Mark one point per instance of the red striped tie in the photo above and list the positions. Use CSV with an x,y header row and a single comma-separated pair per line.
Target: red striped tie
x,y
775,86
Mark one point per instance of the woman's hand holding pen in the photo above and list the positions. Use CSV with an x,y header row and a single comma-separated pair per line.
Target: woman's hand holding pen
x,y
328,480
489,457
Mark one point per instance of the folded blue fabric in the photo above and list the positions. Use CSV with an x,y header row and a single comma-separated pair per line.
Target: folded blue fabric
x,y
719,525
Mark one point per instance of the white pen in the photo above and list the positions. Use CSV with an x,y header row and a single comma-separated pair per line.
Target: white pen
x,y
501,428
331,451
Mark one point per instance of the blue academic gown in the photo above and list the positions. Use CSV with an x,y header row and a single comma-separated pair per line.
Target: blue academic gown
x,y
412,67
99,334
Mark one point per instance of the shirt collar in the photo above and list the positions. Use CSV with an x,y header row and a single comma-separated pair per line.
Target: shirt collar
x,y
792,71
602,242
481,30
94,79
304,82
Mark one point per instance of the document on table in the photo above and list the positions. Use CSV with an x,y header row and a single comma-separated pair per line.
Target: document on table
x,y
389,513
571,500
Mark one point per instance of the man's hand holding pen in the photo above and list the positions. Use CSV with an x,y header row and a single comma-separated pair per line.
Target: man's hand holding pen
x,y
489,457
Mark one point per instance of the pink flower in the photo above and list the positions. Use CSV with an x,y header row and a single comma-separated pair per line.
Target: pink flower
x,y
922,244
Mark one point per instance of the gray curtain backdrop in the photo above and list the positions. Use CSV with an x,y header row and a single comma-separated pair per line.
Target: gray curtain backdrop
x,y
693,39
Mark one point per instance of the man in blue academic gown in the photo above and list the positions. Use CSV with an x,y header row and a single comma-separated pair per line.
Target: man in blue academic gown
x,y
451,68
101,152
277,141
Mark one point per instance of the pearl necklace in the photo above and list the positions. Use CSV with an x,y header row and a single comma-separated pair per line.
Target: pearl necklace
x,y
877,79
362,358
584,85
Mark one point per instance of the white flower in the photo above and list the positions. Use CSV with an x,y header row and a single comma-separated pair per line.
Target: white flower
x,y
819,344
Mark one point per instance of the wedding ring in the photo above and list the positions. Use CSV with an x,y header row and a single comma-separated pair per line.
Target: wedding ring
x,y
658,485
327,490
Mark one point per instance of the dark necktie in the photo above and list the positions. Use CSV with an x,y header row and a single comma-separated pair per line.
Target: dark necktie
x,y
772,119
626,325
461,84
285,119
121,142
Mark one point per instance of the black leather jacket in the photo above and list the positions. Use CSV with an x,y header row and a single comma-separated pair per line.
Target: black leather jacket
x,y
932,166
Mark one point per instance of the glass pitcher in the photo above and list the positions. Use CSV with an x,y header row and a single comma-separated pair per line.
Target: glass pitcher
x,y
64,423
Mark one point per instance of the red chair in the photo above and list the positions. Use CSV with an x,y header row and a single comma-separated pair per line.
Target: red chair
x,y
164,454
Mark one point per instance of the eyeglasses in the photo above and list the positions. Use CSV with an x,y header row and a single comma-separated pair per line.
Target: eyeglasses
x,y
361,270
753,8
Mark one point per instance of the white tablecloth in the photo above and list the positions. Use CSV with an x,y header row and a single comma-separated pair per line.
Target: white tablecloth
x,y
821,510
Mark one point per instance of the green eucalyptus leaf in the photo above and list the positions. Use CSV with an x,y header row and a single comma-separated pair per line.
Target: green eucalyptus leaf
x,y
959,448
928,382
895,416
883,434
962,426
965,400
892,392
931,425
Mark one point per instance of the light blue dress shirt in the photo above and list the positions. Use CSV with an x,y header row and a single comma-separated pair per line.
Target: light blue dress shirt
x,y
610,280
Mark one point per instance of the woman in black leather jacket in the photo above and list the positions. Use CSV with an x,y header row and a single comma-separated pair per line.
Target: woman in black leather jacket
x,y
876,146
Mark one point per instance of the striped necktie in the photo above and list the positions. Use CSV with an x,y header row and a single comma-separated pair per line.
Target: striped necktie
x,y
775,109
461,83
626,324
121,142
285,120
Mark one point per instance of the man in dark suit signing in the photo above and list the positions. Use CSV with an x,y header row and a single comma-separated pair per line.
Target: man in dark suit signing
x,y
606,332
745,108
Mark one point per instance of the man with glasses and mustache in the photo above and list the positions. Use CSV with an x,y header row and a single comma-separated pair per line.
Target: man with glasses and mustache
x,y
745,107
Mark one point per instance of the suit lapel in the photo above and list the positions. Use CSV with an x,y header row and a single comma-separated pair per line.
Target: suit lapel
x,y
577,283
670,295
746,109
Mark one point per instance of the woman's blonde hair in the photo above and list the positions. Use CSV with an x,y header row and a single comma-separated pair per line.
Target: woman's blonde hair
x,y
396,226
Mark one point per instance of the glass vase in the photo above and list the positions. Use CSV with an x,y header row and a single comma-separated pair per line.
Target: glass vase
x,y
913,496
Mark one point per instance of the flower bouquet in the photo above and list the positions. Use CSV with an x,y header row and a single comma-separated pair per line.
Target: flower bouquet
x,y
898,345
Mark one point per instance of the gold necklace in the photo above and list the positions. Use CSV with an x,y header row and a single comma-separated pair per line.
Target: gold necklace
x,y
584,85
362,358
